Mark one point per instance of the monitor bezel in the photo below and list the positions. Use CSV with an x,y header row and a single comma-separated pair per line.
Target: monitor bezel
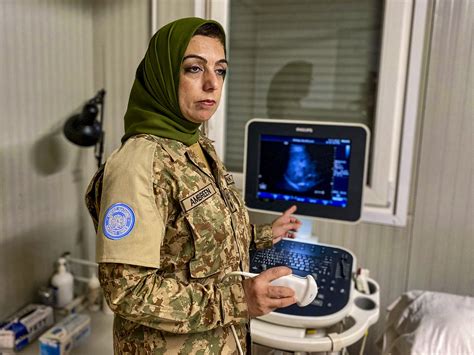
x,y
357,133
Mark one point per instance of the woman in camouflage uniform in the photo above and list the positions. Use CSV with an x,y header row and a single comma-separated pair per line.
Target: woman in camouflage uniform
x,y
170,223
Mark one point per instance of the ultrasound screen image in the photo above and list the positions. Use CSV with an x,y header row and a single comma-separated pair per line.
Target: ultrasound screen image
x,y
304,170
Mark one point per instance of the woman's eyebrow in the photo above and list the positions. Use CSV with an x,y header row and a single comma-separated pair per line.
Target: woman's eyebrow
x,y
195,56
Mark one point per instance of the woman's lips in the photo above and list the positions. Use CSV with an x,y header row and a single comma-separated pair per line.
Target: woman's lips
x,y
207,103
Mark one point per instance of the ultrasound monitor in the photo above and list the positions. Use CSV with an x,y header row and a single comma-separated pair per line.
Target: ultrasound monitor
x,y
317,166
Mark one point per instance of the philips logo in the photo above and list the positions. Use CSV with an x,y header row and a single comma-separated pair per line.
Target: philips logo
x,y
304,129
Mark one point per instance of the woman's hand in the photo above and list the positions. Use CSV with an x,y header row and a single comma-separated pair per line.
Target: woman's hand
x,y
262,297
285,225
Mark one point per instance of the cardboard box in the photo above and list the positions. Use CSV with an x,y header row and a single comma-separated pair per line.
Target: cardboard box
x,y
23,327
65,335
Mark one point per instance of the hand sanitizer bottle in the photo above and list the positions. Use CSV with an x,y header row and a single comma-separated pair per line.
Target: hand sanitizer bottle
x,y
63,282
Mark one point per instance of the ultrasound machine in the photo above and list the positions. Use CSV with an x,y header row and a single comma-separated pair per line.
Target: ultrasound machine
x,y
321,168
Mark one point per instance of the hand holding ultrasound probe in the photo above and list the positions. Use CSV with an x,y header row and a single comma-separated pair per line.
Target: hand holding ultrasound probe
x,y
266,296
276,287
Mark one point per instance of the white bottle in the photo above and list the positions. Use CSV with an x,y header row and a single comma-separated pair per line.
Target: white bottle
x,y
63,282
93,293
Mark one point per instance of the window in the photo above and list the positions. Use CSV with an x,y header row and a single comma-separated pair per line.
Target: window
x,y
323,64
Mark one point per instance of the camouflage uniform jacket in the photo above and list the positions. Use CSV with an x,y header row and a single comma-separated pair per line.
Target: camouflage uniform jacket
x,y
168,231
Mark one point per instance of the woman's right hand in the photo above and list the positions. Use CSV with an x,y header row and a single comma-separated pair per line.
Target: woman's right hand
x,y
262,297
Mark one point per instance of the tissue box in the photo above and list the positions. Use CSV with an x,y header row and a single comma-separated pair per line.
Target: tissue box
x,y
25,326
65,335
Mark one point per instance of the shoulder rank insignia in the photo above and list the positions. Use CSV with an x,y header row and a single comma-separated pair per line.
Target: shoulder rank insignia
x,y
229,179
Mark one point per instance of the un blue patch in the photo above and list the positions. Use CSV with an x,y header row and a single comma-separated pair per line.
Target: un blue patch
x,y
118,221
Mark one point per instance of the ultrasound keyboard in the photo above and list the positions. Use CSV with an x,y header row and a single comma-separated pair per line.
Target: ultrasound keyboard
x,y
331,267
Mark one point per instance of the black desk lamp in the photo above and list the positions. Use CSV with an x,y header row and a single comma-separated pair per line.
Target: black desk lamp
x,y
85,130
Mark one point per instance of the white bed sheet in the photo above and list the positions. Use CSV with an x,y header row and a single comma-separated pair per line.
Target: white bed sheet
x,y
429,323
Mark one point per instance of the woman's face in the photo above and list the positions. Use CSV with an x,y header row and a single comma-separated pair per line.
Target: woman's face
x,y
201,78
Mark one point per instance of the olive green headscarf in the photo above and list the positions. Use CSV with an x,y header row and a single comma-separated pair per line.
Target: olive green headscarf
x,y
153,105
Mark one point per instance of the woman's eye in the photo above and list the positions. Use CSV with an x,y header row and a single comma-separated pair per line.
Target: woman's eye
x,y
221,72
193,69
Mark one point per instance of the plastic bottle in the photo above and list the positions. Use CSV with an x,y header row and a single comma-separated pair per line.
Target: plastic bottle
x,y
63,282
93,293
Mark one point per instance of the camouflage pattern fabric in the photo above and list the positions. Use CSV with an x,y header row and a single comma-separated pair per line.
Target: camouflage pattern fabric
x,y
185,306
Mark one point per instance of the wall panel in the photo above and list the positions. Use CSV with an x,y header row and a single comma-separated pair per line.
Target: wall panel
x,y
121,35
443,235
46,71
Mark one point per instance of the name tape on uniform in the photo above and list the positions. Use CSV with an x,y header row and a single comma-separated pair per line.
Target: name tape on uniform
x,y
198,197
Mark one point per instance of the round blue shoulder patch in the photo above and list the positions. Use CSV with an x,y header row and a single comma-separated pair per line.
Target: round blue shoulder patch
x,y
118,221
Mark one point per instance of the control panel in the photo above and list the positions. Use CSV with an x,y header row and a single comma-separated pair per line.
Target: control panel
x,y
330,266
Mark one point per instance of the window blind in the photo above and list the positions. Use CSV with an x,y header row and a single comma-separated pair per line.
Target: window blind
x,y
300,59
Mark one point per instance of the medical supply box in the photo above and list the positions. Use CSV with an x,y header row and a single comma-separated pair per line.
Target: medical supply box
x,y
65,335
23,327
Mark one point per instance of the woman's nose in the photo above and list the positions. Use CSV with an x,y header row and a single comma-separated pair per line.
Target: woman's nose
x,y
211,82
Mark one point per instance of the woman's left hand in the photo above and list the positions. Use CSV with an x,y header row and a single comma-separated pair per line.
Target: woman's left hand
x,y
285,225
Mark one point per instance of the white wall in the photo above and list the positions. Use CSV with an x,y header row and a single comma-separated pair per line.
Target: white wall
x,y
56,54
46,71
442,248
